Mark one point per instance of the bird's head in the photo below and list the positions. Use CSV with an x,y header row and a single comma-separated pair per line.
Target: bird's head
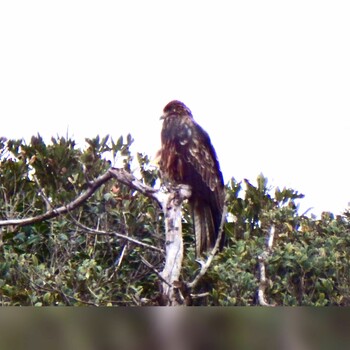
x,y
174,109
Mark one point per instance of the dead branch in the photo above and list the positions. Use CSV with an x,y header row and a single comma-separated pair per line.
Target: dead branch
x,y
201,295
120,260
174,242
119,235
150,266
43,194
263,284
130,180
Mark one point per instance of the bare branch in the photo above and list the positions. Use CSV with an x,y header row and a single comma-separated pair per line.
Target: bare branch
x,y
130,180
263,284
201,295
271,238
119,235
149,265
120,174
205,265
174,242
43,194
120,259
63,209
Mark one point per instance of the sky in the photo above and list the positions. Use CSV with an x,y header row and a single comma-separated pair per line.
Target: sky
x,y
268,80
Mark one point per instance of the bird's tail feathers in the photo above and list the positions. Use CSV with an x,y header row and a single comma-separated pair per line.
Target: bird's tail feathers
x,y
204,228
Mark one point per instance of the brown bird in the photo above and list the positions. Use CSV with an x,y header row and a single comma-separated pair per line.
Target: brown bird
x,y
188,157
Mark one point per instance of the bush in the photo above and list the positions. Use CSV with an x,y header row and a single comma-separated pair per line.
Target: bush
x,y
63,261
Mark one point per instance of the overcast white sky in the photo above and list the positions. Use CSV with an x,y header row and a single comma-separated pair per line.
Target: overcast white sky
x,y
268,80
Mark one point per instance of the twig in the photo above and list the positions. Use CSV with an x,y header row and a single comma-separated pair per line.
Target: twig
x,y
57,290
119,235
306,211
149,265
118,263
43,194
200,295
120,259
205,265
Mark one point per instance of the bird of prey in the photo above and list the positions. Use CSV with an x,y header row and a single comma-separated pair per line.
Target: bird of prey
x,y
188,157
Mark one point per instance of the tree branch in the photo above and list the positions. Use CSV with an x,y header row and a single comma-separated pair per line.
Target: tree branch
x,y
149,265
63,209
174,242
263,284
130,180
119,235
120,174
43,194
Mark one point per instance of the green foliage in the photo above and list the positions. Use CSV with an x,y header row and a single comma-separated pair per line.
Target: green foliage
x,y
308,264
60,262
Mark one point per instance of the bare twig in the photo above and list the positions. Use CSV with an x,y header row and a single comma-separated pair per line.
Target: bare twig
x,y
121,257
262,259
49,288
200,295
43,194
205,265
119,235
118,263
149,265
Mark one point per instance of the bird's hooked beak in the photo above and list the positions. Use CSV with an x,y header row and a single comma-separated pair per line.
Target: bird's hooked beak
x,y
162,117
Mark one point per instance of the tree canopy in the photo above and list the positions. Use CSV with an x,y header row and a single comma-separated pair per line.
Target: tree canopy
x,y
109,248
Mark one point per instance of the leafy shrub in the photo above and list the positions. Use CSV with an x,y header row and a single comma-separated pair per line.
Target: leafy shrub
x,y
77,259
